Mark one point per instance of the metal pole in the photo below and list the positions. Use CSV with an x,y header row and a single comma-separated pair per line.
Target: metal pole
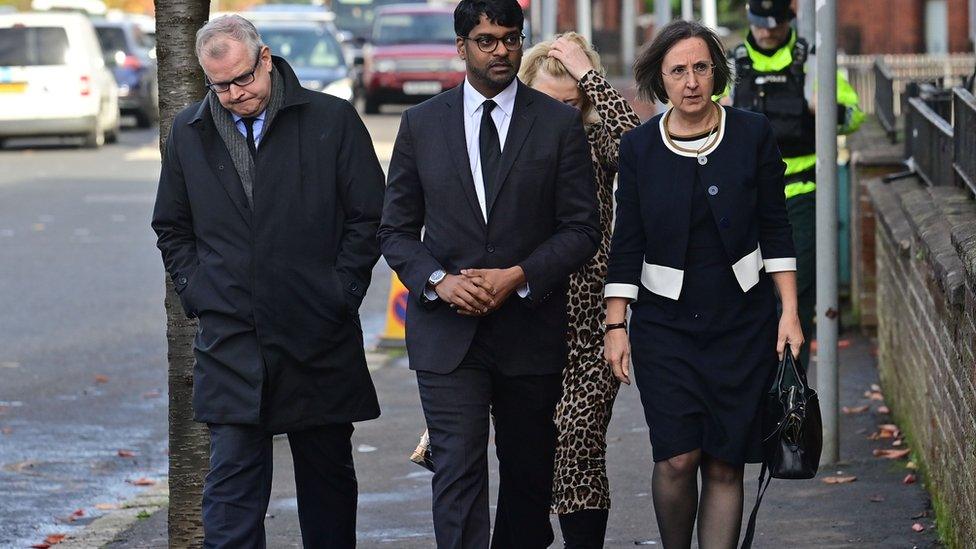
x,y
662,14
628,25
828,312
548,19
584,19
687,10
709,14
535,18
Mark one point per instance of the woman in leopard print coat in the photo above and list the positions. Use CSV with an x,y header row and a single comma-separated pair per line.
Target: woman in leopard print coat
x,y
569,70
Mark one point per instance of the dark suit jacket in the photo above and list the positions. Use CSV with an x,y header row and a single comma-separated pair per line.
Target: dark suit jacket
x,y
744,176
543,217
277,289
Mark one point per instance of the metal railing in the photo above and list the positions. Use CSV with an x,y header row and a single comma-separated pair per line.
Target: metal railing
x,y
964,154
884,99
903,68
931,144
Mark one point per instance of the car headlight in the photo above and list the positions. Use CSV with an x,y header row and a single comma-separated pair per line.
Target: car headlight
x,y
385,65
341,88
315,85
457,64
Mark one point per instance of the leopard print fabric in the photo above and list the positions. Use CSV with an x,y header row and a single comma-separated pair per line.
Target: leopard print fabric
x,y
589,387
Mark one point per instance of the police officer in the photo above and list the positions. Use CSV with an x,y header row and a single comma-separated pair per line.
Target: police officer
x,y
771,79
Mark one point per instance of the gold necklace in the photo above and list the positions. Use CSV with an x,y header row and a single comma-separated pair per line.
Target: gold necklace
x,y
712,132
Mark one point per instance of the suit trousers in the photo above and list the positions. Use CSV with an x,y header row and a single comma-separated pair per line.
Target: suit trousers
x,y
457,406
237,489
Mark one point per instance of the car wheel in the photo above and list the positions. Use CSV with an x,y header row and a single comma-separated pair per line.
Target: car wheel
x,y
143,120
96,137
371,105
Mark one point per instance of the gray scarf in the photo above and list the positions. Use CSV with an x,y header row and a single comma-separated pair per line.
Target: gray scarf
x,y
237,143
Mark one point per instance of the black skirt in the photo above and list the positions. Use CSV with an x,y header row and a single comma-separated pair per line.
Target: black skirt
x,y
702,363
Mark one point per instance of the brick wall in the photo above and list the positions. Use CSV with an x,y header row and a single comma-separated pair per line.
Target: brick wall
x,y
881,26
926,276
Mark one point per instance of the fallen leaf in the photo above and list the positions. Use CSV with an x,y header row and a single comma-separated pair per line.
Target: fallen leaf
x,y
855,409
126,453
152,394
884,410
143,481
875,387
891,454
923,514
41,545
843,343
7,430
876,499
106,506
911,465
918,527
876,396
898,442
909,479
839,480
99,378
78,514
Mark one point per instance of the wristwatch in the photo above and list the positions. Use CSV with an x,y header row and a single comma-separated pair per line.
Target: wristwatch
x,y
616,326
436,278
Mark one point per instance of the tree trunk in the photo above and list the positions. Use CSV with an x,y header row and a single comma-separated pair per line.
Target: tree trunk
x,y
181,83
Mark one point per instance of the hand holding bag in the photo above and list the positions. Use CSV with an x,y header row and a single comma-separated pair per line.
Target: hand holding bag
x,y
421,456
792,429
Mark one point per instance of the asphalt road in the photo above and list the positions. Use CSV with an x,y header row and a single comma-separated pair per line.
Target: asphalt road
x,y
82,329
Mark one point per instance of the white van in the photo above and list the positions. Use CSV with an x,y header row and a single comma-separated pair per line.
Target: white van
x,y
53,79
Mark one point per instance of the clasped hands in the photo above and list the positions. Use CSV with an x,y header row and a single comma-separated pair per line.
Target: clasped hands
x,y
477,292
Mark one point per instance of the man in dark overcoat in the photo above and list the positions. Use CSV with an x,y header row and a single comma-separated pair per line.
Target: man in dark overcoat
x,y
268,204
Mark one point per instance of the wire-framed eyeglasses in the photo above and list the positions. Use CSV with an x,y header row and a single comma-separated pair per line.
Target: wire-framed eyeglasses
x,y
700,69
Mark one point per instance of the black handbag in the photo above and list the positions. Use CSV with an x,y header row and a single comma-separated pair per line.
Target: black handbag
x,y
792,432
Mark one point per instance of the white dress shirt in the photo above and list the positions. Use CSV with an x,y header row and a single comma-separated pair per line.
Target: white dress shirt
x,y
502,117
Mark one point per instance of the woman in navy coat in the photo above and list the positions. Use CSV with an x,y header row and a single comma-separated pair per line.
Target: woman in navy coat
x,y
701,247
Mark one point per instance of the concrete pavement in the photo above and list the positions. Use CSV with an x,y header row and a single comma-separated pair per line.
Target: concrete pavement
x,y
876,510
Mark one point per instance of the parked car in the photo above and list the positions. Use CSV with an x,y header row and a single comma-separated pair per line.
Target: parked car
x,y
355,19
127,51
412,55
314,52
53,79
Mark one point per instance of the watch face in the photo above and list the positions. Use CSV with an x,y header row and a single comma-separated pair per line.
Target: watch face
x,y
437,277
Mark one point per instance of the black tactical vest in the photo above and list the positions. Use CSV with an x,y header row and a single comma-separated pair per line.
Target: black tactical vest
x,y
778,95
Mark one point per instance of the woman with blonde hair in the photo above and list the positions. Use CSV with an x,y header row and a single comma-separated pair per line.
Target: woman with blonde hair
x,y
566,68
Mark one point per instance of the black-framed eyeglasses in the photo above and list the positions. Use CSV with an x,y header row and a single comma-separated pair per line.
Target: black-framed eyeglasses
x,y
487,43
240,81
701,70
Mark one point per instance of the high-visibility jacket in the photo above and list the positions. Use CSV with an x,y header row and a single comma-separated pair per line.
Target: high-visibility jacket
x,y
775,85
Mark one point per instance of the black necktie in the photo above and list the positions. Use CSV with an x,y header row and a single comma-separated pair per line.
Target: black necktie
x,y
491,149
249,124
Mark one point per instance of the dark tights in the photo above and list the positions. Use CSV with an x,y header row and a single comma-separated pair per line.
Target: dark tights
x,y
584,529
674,487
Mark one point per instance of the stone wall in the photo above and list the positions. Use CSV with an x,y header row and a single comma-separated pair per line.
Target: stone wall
x,y
925,244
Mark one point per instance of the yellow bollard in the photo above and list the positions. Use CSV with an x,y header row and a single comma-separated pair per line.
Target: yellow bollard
x,y
396,315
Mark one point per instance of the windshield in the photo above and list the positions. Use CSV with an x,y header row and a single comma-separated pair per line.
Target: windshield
x,y
414,28
304,48
356,16
112,39
29,46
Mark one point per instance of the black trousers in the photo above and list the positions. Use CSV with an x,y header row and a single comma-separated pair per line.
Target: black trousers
x,y
238,487
457,407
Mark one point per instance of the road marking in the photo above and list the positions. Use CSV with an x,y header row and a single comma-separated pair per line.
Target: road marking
x,y
142,154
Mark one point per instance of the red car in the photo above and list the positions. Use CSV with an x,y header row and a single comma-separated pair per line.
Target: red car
x,y
411,56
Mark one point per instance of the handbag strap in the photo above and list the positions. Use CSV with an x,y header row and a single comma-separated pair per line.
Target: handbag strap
x,y
751,528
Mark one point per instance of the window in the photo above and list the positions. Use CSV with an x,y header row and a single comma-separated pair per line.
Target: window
x,y
304,48
414,28
32,46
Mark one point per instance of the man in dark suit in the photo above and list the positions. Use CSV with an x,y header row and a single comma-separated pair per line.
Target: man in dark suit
x,y
266,213
498,178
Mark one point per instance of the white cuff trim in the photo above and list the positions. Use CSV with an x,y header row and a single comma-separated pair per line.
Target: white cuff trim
x,y
523,290
747,269
664,281
779,264
628,291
